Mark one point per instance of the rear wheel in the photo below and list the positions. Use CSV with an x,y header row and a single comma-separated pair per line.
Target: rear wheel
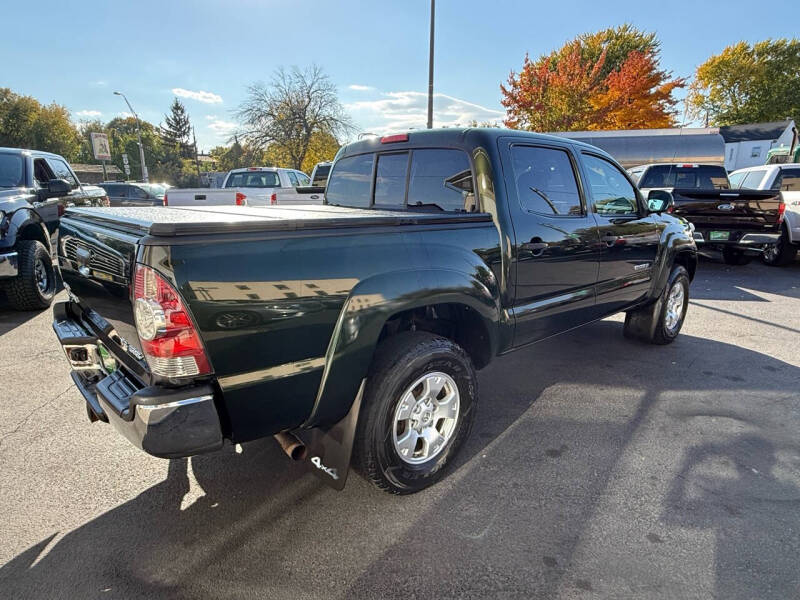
x,y
781,253
661,321
418,408
736,257
35,286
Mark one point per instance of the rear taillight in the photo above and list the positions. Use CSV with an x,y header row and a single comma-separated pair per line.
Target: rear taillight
x,y
241,199
169,339
166,202
273,199
781,211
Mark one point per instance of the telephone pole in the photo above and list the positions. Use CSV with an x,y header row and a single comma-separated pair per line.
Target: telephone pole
x,y
430,68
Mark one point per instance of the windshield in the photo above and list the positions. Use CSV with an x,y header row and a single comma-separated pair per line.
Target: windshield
x,y
701,177
253,179
11,175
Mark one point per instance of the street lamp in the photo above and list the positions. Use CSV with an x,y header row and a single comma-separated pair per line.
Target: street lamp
x,y
138,134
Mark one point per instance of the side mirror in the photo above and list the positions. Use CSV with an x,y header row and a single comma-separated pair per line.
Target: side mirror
x,y
659,201
55,188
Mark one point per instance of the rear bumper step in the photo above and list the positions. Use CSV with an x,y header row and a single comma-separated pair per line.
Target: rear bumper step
x,y
752,240
164,422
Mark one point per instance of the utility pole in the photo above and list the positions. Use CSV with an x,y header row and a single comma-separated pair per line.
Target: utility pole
x,y
430,68
138,135
196,159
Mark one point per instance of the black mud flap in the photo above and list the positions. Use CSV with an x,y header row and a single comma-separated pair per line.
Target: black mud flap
x,y
328,449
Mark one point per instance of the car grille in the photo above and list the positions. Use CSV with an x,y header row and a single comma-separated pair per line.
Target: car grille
x,y
101,259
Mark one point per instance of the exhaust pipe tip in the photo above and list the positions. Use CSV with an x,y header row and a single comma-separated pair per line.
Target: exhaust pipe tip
x,y
291,445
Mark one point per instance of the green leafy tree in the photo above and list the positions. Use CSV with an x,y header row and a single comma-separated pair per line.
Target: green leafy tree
x,y
748,84
26,123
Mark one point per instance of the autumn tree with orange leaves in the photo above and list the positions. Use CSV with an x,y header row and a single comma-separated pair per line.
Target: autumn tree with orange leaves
x,y
605,80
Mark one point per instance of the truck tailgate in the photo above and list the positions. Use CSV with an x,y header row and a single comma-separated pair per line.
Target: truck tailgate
x,y
97,264
729,209
200,197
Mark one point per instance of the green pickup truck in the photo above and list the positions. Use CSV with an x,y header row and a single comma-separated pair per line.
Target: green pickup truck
x,y
352,331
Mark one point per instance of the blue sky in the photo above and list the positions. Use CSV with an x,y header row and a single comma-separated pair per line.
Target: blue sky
x,y
78,53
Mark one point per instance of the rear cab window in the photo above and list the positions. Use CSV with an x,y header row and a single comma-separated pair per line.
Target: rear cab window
x,y
253,179
424,179
700,177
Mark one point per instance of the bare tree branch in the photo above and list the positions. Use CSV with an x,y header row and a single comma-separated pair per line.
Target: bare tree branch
x,y
290,109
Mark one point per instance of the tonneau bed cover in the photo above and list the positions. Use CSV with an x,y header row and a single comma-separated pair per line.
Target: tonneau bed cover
x,y
175,221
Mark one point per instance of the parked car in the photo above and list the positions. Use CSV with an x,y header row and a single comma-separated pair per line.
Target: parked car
x,y
739,223
129,193
357,330
253,186
35,189
319,176
783,178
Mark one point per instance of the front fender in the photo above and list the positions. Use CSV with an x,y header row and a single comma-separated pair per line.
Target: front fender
x,y
20,220
676,239
371,303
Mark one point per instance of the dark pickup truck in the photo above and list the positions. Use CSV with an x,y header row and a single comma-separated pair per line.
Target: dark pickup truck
x,y
353,330
741,223
35,189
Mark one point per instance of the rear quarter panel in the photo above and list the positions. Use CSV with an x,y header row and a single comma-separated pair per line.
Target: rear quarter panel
x,y
290,323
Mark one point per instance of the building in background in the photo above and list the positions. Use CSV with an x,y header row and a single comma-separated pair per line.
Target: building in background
x,y
94,173
747,145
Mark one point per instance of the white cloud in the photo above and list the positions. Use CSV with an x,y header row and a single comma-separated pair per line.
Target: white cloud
x,y
360,88
88,114
124,114
221,127
98,83
200,96
401,111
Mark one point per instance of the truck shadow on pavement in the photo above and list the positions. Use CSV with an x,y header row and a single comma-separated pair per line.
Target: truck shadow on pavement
x,y
590,469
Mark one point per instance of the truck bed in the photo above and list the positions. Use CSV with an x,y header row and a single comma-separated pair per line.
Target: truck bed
x,y
177,221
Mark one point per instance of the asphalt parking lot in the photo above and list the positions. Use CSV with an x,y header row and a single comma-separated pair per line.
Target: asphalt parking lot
x,y
598,468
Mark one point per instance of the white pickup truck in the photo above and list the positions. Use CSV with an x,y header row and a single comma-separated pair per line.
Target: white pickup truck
x,y
786,179
251,186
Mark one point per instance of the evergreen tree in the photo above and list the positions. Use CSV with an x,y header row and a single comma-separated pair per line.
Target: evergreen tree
x,y
177,129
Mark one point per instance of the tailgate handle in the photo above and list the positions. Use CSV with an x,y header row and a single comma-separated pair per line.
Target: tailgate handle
x,y
199,196
729,194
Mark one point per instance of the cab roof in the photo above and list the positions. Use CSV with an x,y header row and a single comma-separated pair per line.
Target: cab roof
x,y
465,138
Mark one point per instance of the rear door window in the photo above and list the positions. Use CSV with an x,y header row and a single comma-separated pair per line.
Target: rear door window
x,y
351,181
390,180
292,178
11,171
545,181
441,179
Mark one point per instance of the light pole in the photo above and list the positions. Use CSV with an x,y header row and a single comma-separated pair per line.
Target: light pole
x,y
138,135
430,69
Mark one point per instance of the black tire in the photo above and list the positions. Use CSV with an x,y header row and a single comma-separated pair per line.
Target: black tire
x,y
649,323
399,362
35,286
780,254
735,257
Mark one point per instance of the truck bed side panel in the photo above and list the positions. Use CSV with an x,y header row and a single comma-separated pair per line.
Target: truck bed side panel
x,y
267,309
